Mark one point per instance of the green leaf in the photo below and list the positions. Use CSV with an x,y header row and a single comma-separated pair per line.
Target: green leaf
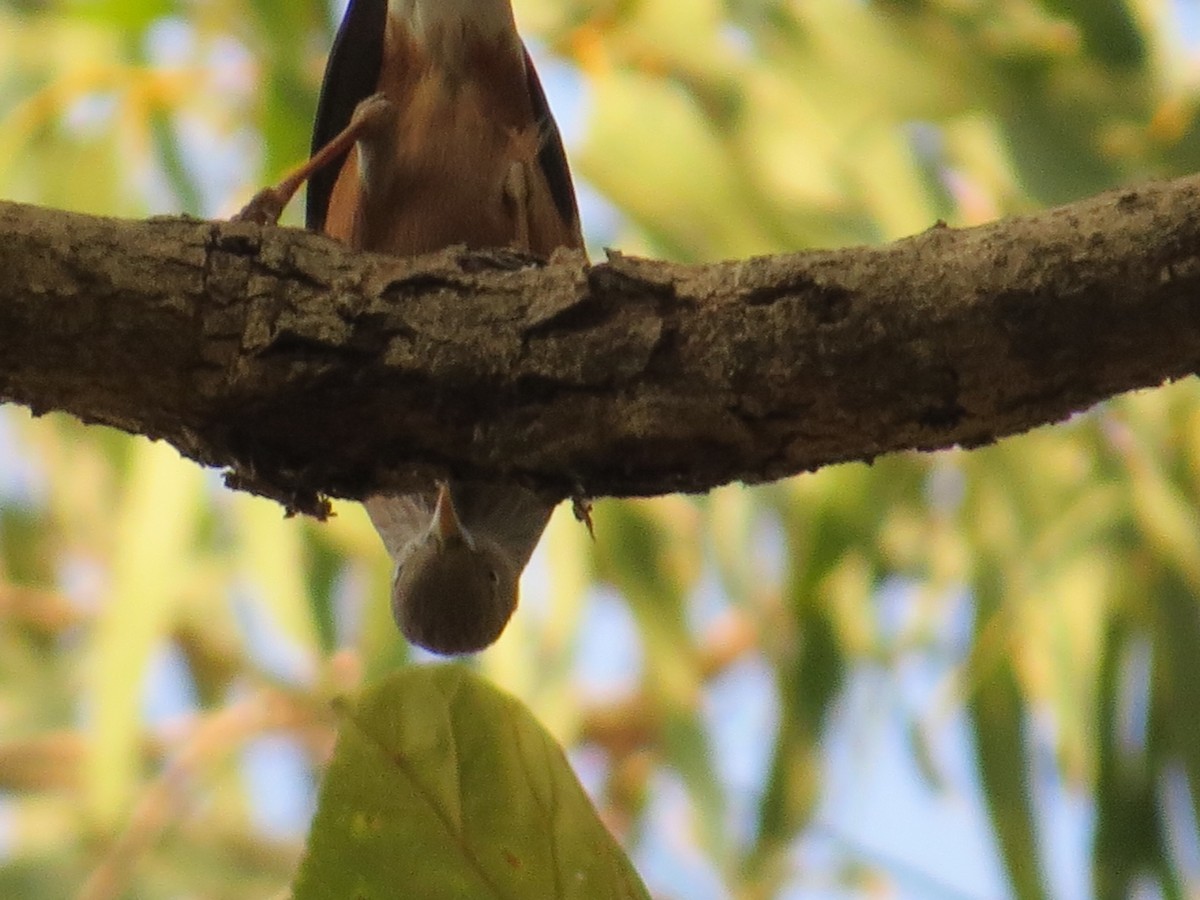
x,y
1110,30
442,786
997,716
1127,840
271,556
152,555
647,554
998,713
1176,624
126,15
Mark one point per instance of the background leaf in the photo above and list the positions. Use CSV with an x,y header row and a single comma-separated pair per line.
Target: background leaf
x,y
441,786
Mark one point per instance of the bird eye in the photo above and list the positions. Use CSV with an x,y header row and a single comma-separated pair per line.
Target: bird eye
x,y
493,576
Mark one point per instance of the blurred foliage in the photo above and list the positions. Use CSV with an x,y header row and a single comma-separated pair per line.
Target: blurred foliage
x,y
1025,615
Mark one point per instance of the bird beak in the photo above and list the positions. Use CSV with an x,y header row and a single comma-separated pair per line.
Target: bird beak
x,y
446,524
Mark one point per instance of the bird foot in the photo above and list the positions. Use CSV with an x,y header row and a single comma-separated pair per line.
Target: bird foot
x,y
371,113
267,205
264,208
581,506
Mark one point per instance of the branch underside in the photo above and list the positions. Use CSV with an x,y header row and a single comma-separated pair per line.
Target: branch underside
x,y
308,370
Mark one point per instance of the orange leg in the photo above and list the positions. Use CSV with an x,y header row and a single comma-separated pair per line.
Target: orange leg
x,y
267,205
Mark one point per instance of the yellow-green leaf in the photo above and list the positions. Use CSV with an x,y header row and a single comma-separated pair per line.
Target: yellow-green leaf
x,y
443,787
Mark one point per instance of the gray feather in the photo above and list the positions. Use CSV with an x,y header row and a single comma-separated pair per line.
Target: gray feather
x,y
506,514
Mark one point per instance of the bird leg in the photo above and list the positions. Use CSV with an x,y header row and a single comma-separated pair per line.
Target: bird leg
x,y
581,506
267,205
516,194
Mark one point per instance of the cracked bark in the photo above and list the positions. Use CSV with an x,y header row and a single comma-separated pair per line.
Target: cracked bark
x,y
306,370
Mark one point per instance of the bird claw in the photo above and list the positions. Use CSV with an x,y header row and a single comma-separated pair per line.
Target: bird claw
x,y
264,208
371,115
267,205
581,506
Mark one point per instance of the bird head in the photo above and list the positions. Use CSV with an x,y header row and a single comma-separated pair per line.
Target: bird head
x,y
455,591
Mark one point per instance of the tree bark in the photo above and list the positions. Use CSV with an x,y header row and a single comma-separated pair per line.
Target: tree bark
x,y
307,370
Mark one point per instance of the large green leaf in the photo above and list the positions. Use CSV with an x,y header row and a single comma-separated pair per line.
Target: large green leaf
x,y
442,786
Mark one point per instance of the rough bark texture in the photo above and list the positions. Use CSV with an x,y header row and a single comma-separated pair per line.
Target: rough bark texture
x,y
307,370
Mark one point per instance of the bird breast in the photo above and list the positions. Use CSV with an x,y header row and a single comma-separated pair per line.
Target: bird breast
x,y
446,31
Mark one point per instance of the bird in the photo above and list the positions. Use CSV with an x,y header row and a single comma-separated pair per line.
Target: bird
x,y
433,130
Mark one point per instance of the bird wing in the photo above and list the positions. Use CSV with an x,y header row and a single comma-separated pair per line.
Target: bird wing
x,y
552,158
400,519
351,76
513,515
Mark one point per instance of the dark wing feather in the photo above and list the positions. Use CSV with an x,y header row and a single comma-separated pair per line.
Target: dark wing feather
x,y
351,75
552,158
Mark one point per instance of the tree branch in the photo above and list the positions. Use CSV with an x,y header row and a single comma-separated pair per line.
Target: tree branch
x,y
307,370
